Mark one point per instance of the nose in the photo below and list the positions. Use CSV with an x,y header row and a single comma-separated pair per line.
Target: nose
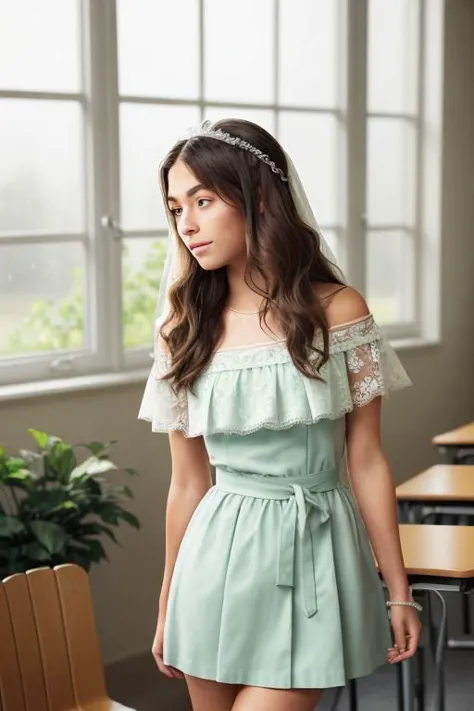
x,y
187,226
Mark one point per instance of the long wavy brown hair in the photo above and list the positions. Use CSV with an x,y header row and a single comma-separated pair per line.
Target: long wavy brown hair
x,y
281,248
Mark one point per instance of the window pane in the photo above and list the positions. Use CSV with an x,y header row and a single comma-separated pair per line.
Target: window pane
x,y
39,45
263,117
149,35
393,55
391,166
41,171
308,58
142,266
146,135
42,297
391,276
311,141
238,51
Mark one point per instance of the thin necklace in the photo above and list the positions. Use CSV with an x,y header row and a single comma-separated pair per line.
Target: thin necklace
x,y
244,313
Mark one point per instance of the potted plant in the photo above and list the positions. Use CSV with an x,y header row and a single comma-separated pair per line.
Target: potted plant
x,y
53,509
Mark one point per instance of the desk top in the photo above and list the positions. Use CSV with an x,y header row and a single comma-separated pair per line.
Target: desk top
x,y
446,551
461,436
443,482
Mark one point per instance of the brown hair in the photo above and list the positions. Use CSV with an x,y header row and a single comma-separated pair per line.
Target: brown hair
x,y
280,247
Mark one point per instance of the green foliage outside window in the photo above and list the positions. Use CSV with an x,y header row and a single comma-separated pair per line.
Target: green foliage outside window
x,y
59,324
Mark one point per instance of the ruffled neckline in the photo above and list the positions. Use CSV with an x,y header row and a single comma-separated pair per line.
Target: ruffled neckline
x,y
257,386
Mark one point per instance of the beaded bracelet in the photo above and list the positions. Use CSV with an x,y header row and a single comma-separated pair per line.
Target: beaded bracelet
x,y
411,603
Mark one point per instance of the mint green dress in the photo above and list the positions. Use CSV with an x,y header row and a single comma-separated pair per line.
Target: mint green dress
x,y
275,584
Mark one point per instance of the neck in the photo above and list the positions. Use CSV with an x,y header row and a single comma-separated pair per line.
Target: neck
x,y
241,296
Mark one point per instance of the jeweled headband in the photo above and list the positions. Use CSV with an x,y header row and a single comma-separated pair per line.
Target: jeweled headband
x,y
205,130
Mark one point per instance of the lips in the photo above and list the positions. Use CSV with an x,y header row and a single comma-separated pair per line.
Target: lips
x,y
193,245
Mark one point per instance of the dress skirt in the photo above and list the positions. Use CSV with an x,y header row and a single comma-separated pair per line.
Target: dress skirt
x,y
275,585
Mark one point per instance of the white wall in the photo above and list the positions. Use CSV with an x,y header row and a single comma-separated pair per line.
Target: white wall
x,y
126,591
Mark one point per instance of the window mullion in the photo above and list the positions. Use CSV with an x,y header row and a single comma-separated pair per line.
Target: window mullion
x,y
420,118
356,97
202,69
105,261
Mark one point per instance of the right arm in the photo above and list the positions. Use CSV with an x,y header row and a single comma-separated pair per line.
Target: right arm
x,y
190,480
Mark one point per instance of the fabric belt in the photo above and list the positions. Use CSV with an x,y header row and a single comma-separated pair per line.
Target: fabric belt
x,y
303,491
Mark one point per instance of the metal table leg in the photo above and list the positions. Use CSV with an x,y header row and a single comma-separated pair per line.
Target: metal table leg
x,y
439,644
399,688
420,679
352,695
408,684
466,614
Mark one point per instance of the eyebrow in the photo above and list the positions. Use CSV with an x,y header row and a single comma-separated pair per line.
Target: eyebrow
x,y
189,193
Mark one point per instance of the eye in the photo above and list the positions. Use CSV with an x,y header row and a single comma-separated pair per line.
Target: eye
x,y
175,211
203,200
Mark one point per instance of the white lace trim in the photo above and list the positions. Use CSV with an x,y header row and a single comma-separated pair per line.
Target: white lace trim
x,y
251,387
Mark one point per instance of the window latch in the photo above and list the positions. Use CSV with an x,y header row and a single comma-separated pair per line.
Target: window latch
x,y
108,222
65,362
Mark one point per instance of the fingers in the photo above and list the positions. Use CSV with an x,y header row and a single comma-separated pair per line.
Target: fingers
x,y
168,671
405,652
407,636
177,674
164,669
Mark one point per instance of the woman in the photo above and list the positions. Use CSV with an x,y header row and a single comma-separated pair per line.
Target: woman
x,y
271,369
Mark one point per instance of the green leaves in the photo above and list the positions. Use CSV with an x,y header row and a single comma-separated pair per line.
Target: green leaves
x,y
41,438
49,535
9,526
64,508
98,448
58,323
92,466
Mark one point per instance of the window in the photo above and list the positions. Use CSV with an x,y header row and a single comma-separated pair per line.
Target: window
x,y
393,142
93,94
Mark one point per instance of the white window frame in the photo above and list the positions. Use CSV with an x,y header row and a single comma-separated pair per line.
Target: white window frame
x,y
106,361
425,330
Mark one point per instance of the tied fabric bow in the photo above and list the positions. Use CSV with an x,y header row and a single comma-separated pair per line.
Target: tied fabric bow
x,y
295,523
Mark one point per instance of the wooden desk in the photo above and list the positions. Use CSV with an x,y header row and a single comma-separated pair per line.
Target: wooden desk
x,y
442,494
442,482
437,559
441,490
438,551
452,443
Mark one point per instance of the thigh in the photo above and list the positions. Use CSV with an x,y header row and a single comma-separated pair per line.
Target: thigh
x,y
255,698
208,695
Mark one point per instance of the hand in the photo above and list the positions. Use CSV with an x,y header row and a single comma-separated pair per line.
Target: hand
x,y
157,651
406,628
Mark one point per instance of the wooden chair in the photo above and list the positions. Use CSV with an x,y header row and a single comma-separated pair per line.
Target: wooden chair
x,y
49,650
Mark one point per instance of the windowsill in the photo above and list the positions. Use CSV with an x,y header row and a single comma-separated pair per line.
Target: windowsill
x,y
413,343
59,386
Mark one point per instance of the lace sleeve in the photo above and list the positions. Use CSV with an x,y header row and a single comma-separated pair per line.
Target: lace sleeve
x,y
160,406
374,369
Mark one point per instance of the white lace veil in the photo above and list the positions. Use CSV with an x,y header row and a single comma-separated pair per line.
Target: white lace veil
x,y
171,266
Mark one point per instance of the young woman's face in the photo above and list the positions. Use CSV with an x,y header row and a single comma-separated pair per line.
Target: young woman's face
x,y
201,216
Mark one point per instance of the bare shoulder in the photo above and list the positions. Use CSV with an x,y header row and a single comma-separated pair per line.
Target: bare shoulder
x,y
343,304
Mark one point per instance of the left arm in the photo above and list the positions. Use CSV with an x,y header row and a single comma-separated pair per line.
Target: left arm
x,y
374,490
372,483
